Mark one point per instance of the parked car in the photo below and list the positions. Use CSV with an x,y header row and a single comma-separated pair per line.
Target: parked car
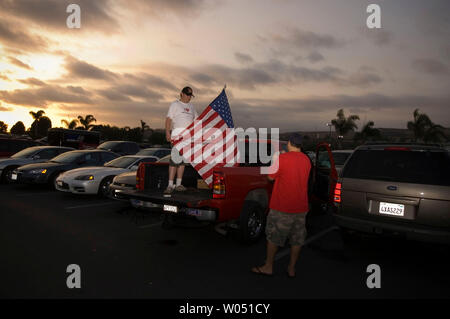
x,y
34,154
120,147
11,145
47,172
155,151
96,180
399,189
127,181
238,197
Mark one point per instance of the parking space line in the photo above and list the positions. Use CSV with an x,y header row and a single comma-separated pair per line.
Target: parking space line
x,y
151,225
287,251
91,205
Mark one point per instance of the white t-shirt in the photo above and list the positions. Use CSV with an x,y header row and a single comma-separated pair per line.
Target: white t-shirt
x,y
181,114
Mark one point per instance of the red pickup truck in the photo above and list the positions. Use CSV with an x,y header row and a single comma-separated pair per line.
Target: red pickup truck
x,y
239,195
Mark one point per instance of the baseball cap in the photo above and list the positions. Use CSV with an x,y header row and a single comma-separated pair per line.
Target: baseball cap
x,y
188,91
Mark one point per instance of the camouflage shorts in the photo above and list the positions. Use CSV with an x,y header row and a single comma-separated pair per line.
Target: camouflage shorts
x,y
281,226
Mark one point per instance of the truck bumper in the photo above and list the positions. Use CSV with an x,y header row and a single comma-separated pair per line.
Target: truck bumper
x,y
201,214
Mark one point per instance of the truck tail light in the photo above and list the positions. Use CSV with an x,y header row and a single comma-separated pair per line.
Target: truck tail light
x,y
218,185
140,177
337,193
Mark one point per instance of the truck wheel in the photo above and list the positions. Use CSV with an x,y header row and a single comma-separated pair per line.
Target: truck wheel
x,y
252,222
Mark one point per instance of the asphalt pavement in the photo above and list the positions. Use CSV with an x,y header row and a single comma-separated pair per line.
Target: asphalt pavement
x,y
123,253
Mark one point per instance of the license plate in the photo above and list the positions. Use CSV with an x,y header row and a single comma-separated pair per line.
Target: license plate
x,y
392,209
169,208
14,177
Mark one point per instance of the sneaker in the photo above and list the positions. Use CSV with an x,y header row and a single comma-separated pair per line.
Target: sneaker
x,y
169,190
180,188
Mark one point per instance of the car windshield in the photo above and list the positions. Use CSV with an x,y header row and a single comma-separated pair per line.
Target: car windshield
x,y
340,158
121,162
148,152
418,167
26,152
67,157
108,145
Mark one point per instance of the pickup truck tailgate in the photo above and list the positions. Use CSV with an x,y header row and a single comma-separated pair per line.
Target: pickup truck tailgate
x,y
190,198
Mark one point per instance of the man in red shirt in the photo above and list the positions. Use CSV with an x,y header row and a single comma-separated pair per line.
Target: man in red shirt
x,y
288,205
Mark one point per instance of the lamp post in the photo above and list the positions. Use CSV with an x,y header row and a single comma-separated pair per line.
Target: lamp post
x,y
329,125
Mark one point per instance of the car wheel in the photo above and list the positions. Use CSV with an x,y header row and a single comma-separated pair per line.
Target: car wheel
x,y
6,176
252,222
52,180
103,189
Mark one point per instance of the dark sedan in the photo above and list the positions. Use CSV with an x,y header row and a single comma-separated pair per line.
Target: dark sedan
x,y
30,155
47,172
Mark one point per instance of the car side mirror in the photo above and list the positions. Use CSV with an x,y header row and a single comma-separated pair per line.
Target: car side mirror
x,y
134,167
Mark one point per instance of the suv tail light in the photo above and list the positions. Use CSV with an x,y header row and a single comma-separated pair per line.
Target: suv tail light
x,y
140,177
218,185
337,193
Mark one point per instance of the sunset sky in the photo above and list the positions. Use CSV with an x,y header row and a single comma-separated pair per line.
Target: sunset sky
x,y
289,64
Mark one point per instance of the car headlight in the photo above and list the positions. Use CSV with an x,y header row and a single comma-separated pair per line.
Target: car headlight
x,y
85,178
39,171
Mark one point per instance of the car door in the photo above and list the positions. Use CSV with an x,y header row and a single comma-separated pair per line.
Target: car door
x,y
324,175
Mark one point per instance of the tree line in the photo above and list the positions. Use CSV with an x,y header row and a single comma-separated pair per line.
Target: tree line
x,y
41,124
423,129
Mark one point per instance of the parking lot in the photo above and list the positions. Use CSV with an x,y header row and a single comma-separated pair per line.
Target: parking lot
x,y
44,231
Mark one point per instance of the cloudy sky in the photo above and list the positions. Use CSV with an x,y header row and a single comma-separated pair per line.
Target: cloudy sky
x,y
289,64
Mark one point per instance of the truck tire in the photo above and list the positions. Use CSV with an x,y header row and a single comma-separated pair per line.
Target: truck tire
x,y
252,222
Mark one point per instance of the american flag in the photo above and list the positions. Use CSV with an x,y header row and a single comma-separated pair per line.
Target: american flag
x,y
210,141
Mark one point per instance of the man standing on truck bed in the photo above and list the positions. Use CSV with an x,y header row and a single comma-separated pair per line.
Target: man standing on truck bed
x,y
288,206
181,114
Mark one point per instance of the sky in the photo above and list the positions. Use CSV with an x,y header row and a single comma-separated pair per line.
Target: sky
x,y
287,64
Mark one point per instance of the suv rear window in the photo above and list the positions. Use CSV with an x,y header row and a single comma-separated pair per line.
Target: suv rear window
x,y
417,167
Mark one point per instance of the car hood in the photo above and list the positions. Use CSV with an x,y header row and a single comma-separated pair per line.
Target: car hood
x,y
14,161
94,170
47,165
126,178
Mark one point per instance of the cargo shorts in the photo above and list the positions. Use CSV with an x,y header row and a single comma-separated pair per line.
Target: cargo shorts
x,y
281,226
176,159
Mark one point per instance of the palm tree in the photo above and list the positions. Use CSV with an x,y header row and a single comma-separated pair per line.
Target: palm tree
x,y
36,117
419,125
434,133
87,120
144,126
343,124
70,124
368,133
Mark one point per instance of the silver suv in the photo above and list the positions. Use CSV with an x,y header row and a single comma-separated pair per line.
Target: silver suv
x,y
396,188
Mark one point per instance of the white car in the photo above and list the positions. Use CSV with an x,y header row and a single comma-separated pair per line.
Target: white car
x,y
96,180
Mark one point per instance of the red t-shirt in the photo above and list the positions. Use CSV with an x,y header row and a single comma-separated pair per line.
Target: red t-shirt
x,y
290,189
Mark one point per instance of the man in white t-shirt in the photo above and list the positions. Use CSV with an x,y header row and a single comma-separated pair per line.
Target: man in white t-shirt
x,y
181,114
